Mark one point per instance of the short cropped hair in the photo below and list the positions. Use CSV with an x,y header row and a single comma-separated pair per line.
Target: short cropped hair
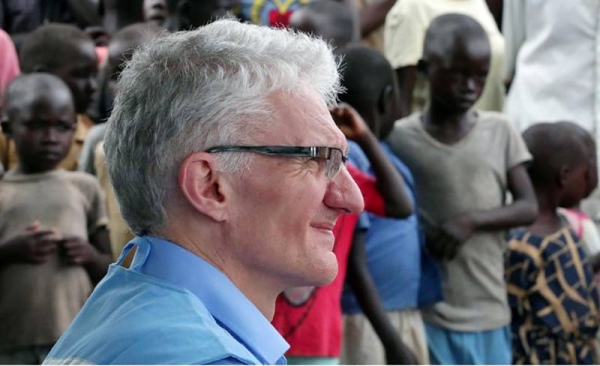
x,y
50,46
339,19
446,30
26,88
365,74
554,145
185,92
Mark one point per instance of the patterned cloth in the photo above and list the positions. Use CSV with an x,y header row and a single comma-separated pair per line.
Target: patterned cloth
x,y
552,297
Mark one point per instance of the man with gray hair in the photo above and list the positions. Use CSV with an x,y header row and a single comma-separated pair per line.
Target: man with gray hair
x,y
230,170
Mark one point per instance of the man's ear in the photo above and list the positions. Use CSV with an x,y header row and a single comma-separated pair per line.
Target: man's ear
x,y
203,186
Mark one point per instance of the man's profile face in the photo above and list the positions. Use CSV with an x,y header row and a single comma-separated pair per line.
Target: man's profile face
x,y
286,208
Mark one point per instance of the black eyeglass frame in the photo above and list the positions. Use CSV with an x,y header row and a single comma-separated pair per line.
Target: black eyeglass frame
x,y
323,152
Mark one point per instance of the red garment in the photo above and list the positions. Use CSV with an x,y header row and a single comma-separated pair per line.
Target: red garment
x,y
310,320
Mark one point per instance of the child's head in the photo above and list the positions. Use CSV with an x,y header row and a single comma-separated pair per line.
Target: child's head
x,y
328,19
40,119
371,88
456,57
155,11
67,52
561,161
121,49
186,14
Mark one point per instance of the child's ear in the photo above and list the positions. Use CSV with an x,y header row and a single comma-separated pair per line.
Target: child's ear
x,y
563,176
4,123
386,100
422,66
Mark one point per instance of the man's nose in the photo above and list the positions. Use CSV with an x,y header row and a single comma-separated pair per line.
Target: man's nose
x,y
343,194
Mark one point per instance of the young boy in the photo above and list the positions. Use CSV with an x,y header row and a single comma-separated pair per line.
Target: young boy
x,y
310,319
464,163
69,53
550,285
53,238
395,256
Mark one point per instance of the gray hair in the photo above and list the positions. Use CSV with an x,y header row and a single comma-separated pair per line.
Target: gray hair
x,y
188,91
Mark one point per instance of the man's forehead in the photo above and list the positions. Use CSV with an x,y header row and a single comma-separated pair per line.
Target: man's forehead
x,y
305,120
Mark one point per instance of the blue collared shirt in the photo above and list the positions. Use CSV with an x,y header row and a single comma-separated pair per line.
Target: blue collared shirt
x,y
169,307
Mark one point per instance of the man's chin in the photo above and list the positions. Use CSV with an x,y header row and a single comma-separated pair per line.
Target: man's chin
x,y
328,271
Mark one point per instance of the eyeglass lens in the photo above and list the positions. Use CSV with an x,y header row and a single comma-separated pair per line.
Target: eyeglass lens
x,y
334,163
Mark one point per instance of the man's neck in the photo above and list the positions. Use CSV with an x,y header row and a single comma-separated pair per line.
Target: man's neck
x,y
448,126
259,291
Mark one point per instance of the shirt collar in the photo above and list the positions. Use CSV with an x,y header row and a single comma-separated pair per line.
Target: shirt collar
x,y
227,304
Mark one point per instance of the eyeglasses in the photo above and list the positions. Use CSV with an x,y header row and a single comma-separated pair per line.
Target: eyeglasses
x,y
334,157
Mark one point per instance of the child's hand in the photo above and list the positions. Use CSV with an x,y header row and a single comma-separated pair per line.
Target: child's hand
x,y
456,232
445,241
34,245
78,250
349,121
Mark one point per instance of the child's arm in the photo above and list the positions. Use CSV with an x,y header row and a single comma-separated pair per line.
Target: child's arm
x,y
389,182
372,16
94,255
522,211
361,282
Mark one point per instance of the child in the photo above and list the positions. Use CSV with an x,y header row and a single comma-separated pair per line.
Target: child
x,y
330,20
404,32
464,163
550,283
69,53
310,319
395,257
53,238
